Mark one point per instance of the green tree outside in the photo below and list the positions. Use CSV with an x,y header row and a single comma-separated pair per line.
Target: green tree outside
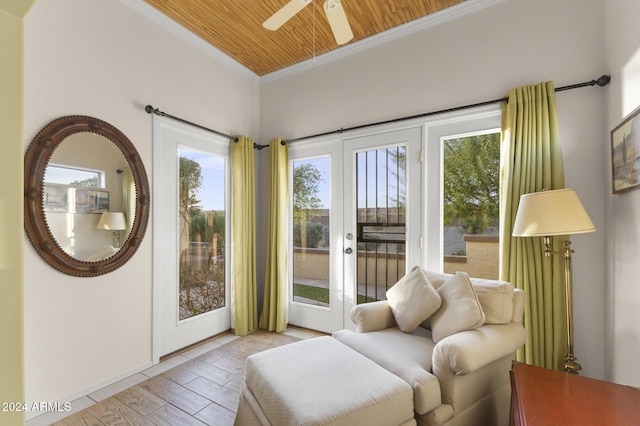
x,y
306,204
471,181
202,275
306,180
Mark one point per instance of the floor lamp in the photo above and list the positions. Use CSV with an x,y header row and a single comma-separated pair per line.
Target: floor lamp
x,y
556,212
113,221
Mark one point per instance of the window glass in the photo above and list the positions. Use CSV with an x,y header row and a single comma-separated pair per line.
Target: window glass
x,y
201,233
74,176
311,226
470,180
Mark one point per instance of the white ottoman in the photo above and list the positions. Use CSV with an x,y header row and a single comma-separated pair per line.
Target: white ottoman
x,y
321,381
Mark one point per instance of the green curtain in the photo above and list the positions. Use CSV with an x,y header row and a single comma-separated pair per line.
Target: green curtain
x,y
531,162
243,237
128,198
274,309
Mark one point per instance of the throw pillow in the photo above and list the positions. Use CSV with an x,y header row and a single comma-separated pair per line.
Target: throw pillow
x,y
412,300
460,309
496,299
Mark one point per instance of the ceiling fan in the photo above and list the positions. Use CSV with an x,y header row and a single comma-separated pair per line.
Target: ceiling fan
x,y
333,9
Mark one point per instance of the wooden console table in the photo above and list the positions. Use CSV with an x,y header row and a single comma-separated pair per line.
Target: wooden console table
x,y
547,397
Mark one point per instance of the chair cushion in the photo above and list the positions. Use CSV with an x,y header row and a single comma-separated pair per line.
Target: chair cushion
x,y
412,300
460,309
407,355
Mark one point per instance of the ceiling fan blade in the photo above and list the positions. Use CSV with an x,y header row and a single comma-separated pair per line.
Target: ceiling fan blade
x,y
338,21
287,12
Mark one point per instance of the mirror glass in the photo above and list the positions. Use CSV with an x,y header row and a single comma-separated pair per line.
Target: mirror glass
x,y
86,196
84,178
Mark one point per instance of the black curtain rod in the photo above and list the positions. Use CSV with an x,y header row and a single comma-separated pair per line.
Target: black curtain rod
x,y
156,111
602,81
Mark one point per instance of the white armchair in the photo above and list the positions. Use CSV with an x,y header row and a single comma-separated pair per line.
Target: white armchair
x,y
460,379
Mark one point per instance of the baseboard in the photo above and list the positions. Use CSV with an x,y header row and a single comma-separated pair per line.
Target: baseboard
x,y
89,390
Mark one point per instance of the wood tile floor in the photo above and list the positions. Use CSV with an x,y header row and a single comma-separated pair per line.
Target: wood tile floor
x,y
200,386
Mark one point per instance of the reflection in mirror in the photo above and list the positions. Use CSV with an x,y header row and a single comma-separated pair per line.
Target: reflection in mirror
x,y
79,174
83,180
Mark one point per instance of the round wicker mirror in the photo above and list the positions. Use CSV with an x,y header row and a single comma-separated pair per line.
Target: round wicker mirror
x,y
75,204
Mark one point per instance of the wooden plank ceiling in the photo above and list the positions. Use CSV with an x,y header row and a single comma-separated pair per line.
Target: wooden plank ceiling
x,y
235,26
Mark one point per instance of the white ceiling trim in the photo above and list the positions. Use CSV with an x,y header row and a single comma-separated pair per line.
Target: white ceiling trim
x,y
453,12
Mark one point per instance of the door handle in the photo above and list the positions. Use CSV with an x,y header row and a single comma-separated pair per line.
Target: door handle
x,y
348,250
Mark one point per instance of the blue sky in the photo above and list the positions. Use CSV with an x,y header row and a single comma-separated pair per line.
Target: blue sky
x,y
378,179
323,166
211,194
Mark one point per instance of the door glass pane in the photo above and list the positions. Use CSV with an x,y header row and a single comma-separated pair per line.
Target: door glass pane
x,y
201,233
471,178
381,220
311,251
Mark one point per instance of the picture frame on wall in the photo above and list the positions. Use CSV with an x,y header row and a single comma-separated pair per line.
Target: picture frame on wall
x,y
625,154
55,198
98,201
68,199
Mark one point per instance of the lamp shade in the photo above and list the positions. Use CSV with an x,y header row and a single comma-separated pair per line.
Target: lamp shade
x,y
112,221
547,213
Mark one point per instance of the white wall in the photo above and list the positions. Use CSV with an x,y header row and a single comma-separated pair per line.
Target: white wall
x,y
104,59
473,59
622,47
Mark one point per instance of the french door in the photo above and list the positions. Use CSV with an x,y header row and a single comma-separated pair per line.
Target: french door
x,y
382,202
191,224
355,223
315,271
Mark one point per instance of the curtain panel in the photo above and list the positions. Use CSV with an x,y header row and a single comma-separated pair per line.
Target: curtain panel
x,y
128,198
274,310
532,162
243,237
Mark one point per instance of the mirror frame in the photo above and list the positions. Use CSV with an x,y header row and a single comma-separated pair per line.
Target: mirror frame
x,y
36,160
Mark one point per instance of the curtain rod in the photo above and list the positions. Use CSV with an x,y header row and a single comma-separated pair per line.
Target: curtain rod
x,y
602,81
156,111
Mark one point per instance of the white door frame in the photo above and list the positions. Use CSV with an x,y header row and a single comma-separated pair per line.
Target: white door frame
x,y
327,319
167,134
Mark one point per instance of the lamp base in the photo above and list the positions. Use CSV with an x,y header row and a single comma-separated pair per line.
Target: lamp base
x,y
116,239
570,365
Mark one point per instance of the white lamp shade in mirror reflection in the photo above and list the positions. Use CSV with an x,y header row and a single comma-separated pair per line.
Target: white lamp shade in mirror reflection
x,y
113,221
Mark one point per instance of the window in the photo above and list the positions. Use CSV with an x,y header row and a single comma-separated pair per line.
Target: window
x,y
311,230
470,203
74,176
202,232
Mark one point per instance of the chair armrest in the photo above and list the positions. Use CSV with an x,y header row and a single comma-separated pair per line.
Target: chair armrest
x,y
468,351
372,316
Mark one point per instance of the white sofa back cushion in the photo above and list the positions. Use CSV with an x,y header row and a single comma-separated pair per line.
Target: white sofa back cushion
x,y
496,299
519,299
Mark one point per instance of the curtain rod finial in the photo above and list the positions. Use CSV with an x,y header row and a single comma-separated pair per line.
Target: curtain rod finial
x,y
603,80
149,109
